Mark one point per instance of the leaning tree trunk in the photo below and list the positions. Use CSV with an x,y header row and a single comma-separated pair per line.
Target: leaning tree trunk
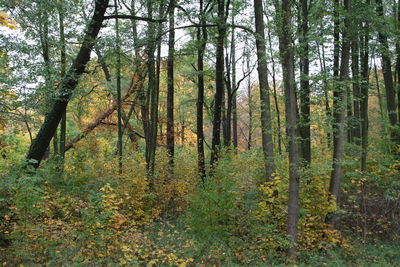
x,y
266,124
67,86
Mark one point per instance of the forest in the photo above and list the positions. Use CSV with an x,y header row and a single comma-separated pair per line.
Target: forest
x,y
199,133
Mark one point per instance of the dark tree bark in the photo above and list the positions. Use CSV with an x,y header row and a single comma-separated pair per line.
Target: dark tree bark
x,y
387,75
336,39
339,110
381,109
322,63
355,70
364,86
273,74
118,85
202,39
219,81
63,57
67,86
45,45
170,91
152,95
287,60
398,60
250,106
226,109
304,128
266,121
233,99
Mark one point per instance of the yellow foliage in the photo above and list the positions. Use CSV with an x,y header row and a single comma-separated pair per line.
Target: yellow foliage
x,y
6,21
315,204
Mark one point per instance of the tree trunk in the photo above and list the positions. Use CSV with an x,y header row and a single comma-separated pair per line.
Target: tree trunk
x,y
336,36
152,96
355,70
250,104
63,57
304,128
287,60
228,119
328,114
339,110
67,86
273,74
234,86
266,124
202,40
381,109
219,82
170,90
398,60
364,86
118,85
387,76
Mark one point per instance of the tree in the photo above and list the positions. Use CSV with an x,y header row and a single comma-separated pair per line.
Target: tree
x,y
339,109
304,127
170,91
68,84
266,124
287,61
387,74
222,10
202,41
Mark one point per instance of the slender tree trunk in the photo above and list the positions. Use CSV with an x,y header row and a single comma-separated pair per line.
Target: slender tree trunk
x,y
328,114
250,104
63,56
234,86
287,60
388,76
228,125
350,117
219,82
305,131
68,84
202,40
118,85
278,114
152,101
398,60
355,70
336,39
339,110
381,109
44,40
225,104
170,92
364,86
266,124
